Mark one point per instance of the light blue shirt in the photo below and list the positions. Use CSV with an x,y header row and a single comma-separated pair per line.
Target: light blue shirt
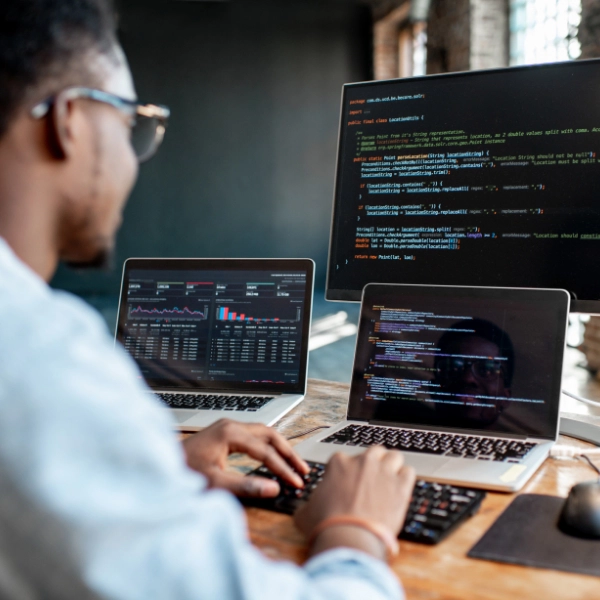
x,y
96,500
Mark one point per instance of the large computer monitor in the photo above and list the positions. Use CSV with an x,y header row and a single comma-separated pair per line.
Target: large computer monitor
x,y
485,178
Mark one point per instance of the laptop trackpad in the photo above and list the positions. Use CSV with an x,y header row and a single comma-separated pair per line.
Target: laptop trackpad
x,y
181,416
424,464
465,468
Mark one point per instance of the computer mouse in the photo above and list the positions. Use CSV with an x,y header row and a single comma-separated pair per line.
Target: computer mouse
x,y
580,515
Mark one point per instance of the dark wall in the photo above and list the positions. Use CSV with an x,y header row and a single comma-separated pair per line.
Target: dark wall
x,y
247,166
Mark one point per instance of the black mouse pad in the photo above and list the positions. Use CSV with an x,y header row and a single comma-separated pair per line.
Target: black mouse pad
x,y
527,533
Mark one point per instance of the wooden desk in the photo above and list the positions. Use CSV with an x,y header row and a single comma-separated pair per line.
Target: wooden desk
x,y
442,571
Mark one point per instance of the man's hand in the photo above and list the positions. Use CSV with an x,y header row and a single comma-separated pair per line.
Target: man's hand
x,y
207,452
375,486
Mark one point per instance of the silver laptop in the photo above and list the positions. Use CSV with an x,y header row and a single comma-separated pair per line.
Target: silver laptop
x,y
219,338
465,381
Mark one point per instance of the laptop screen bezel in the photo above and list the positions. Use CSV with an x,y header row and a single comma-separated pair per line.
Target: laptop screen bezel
x,y
552,299
226,264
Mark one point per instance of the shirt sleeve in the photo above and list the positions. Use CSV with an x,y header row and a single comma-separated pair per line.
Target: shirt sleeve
x,y
97,501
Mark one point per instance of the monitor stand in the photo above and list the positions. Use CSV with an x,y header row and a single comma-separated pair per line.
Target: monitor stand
x,y
582,427
577,419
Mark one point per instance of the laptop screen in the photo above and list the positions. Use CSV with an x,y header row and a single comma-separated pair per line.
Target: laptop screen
x,y
218,324
460,358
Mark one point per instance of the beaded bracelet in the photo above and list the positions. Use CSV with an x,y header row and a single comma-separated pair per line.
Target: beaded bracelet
x,y
379,531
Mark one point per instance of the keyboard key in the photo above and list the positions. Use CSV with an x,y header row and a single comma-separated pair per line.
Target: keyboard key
x,y
408,440
212,402
434,511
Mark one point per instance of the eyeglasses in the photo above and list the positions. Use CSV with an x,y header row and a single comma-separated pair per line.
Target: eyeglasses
x,y
149,121
482,368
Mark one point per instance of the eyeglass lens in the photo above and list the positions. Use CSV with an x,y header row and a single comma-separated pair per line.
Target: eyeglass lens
x,y
146,135
482,368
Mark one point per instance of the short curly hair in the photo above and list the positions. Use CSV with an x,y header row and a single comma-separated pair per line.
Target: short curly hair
x,y
42,41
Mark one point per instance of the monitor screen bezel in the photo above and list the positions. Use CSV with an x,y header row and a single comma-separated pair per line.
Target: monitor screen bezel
x,y
577,305
551,299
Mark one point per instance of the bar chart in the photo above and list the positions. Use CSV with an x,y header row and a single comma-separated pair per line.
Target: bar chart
x,y
226,313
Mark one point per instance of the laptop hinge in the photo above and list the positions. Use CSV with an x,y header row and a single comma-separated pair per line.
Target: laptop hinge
x,y
481,433
165,390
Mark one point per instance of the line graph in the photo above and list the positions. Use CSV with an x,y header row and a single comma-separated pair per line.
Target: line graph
x,y
175,312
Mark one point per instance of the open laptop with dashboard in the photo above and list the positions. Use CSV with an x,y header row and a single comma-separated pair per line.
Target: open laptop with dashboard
x,y
465,381
218,338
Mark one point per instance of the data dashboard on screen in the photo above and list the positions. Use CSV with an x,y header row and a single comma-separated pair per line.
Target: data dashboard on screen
x,y
218,326
487,178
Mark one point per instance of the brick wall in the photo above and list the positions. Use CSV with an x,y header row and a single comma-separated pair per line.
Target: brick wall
x,y
591,344
489,34
467,34
589,38
589,29
385,41
448,36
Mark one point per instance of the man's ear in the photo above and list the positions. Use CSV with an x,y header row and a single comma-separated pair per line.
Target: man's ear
x,y
61,125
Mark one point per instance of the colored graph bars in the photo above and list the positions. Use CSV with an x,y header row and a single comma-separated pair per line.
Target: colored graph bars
x,y
225,314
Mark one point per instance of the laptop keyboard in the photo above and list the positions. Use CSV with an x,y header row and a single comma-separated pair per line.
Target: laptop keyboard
x,y
435,509
214,402
410,440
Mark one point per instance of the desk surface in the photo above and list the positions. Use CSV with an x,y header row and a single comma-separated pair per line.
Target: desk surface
x,y
442,571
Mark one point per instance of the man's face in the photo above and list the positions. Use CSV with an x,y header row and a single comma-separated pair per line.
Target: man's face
x,y
102,172
472,377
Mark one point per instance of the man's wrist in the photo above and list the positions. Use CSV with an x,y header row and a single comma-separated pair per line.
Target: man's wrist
x,y
349,536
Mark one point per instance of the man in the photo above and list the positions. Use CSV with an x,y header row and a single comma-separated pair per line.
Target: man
x,y
97,500
475,365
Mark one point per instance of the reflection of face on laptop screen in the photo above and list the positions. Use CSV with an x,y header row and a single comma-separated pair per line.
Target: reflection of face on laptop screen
x,y
473,369
479,365
217,328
